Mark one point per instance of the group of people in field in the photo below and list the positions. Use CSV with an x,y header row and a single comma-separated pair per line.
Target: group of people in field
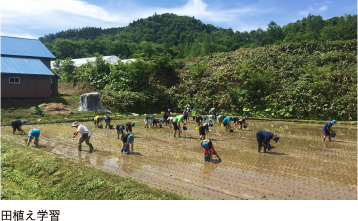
x,y
125,131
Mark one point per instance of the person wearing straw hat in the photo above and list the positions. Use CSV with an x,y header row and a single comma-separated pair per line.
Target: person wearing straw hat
x,y
120,129
16,125
34,134
86,136
327,129
263,139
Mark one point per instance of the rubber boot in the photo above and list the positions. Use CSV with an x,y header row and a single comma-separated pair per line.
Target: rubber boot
x,y
79,148
91,148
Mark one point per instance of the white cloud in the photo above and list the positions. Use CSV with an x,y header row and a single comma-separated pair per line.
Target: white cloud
x,y
323,8
315,9
51,16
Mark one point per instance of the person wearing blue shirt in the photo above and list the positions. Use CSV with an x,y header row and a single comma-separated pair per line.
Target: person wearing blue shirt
x,y
34,134
263,139
226,122
327,129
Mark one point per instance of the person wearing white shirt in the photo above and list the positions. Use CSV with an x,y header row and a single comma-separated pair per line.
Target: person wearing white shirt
x,y
86,135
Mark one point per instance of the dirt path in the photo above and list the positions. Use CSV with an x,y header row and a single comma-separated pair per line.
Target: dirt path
x,y
302,166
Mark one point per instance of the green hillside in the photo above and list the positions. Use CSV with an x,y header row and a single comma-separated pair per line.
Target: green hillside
x,y
183,37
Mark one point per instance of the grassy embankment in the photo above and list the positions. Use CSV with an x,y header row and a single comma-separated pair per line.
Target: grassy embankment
x,y
33,174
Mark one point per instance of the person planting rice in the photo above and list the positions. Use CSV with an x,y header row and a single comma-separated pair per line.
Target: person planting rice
x,y
16,125
176,124
209,150
193,113
199,120
165,117
85,135
38,109
242,121
327,129
263,139
146,122
34,134
211,117
204,119
157,122
220,119
97,120
127,141
204,129
186,114
212,111
170,121
226,122
129,127
107,120
120,129
236,120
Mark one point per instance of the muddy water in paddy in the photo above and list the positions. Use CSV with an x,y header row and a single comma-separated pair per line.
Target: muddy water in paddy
x,y
301,166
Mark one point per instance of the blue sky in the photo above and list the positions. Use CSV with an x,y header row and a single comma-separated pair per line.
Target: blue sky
x,y
35,18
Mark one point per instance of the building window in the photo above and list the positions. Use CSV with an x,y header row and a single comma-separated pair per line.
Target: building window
x,y
14,80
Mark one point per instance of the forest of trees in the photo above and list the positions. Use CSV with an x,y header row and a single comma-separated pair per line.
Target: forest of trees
x,y
304,70
184,37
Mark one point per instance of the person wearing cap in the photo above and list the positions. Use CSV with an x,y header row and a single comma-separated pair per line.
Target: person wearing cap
x,y
176,124
129,127
220,119
86,136
157,122
107,120
38,109
209,150
170,121
146,122
186,114
33,134
242,121
327,129
263,139
193,113
204,129
127,141
204,119
211,117
120,129
16,125
199,120
226,122
97,120
236,120
212,111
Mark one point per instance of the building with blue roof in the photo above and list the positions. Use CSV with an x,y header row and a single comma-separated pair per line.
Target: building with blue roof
x,y
26,69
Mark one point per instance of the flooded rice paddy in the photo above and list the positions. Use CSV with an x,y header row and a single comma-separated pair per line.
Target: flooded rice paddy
x,y
302,166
